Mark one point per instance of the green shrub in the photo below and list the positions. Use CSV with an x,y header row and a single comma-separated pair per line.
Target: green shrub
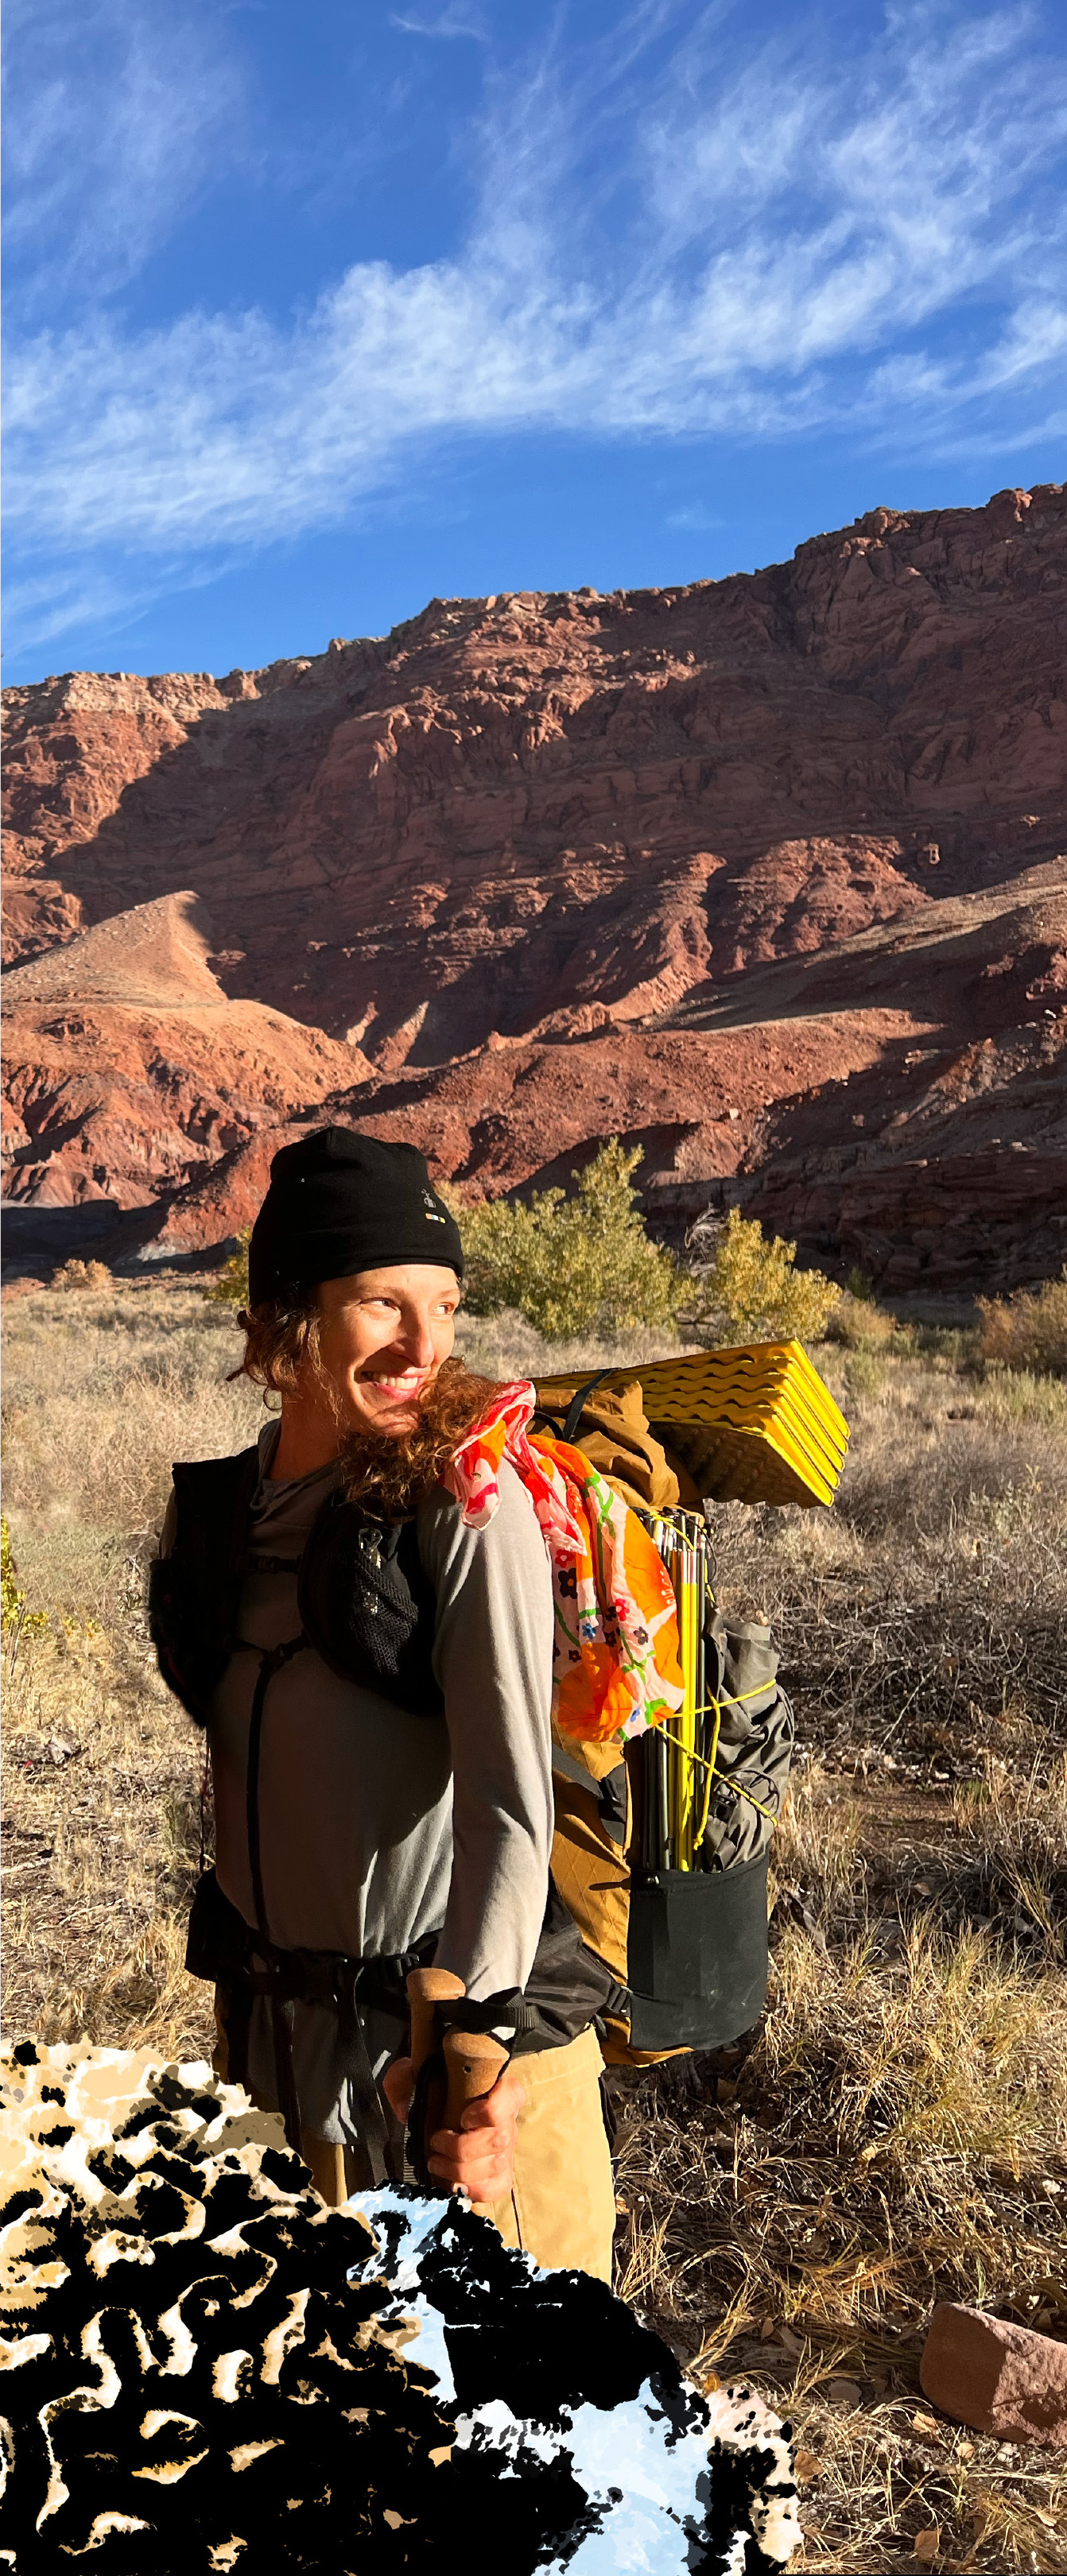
x,y
231,1286
1029,1330
13,1611
750,1290
859,1286
941,1348
580,1265
1022,1395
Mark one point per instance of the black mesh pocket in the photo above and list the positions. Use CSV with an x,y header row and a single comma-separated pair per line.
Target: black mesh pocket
x,y
369,1608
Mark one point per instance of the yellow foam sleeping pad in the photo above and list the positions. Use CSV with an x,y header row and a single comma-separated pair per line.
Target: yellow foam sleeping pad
x,y
751,1425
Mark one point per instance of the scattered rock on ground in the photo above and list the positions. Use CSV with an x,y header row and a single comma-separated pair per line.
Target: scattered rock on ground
x,y
1000,2378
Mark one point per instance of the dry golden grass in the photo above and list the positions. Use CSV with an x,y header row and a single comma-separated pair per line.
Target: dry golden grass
x,y
894,2132
100,1846
102,1390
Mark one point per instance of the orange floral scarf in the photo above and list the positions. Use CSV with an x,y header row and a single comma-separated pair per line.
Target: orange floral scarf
x,y
615,1666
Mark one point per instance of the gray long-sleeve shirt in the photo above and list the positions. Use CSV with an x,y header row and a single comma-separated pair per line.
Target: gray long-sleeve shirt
x,y
376,1826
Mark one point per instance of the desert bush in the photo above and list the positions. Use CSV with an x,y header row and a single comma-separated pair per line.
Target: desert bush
x,y
860,1324
750,1289
942,1468
1029,1330
1009,1396
231,1286
82,1274
570,1266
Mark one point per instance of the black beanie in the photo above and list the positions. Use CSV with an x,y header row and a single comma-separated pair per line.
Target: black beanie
x,y
340,1202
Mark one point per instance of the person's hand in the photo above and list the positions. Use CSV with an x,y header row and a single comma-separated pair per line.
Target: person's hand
x,y
479,2156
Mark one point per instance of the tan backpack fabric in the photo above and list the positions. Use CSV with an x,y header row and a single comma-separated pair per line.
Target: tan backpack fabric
x,y
614,1435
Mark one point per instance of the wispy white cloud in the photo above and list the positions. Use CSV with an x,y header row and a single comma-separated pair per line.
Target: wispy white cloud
x,y
1034,343
695,516
119,115
93,594
456,20
664,243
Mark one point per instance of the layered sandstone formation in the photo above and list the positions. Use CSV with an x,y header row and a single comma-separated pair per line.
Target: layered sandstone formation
x,y
127,1067
745,871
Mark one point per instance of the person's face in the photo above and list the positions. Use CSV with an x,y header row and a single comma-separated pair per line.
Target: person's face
x,y
383,1335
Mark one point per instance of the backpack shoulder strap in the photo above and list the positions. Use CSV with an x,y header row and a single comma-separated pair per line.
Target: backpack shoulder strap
x,y
209,1488
193,1594
578,1402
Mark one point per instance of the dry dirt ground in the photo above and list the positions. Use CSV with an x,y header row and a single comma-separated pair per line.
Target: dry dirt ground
x,y
895,2131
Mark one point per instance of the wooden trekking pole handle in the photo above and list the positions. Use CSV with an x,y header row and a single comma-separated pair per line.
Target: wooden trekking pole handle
x,y
474,2059
427,1987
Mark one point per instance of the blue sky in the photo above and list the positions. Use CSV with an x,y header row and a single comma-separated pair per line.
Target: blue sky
x,y
316,311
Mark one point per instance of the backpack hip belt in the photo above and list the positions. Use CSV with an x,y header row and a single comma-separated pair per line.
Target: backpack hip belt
x,y
244,1964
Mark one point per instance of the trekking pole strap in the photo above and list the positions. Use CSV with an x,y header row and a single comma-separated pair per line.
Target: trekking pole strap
x,y
459,2013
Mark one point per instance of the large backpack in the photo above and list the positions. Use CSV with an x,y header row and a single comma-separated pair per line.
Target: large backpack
x,y
686,1945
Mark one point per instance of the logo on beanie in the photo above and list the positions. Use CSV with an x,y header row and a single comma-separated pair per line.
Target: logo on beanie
x,y
435,1214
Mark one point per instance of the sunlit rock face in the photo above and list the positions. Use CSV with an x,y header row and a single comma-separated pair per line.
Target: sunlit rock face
x,y
745,872
203,2365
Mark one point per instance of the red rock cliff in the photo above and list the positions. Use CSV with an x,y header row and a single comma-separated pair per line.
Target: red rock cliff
x,y
744,868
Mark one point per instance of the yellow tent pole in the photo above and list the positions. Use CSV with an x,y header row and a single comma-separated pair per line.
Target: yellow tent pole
x,y
688,1633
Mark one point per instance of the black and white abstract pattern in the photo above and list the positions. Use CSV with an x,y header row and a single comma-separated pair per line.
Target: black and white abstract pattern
x,y
204,2368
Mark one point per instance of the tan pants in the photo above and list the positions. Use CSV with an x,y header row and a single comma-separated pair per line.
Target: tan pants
x,y
562,2203
561,2207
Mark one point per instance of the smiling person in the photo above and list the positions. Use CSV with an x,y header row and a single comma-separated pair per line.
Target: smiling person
x,y
375,1679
